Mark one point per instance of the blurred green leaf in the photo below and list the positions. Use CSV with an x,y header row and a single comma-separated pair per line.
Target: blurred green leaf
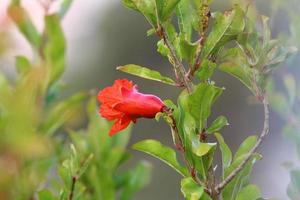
x,y
64,7
250,192
293,189
22,64
45,195
226,28
62,112
290,85
145,73
137,179
226,152
190,189
217,125
201,101
164,153
24,24
54,47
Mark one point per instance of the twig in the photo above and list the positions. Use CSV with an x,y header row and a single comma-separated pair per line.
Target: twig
x,y
264,133
74,180
178,66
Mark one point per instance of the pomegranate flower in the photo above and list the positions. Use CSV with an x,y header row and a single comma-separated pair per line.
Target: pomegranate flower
x,y
122,102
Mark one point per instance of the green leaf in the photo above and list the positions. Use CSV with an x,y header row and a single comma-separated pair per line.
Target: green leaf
x,y
226,28
84,165
226,152
187,49
146,7
217,125
201,149
246,146
165,8
145,73
24,24
62,113
22,64
250,192
235,64
137,178
201,101
54,48
190,189
242,179
185,13
206,70
64,7
166,154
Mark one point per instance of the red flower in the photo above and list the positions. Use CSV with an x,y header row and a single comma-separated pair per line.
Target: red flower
x,y
122,102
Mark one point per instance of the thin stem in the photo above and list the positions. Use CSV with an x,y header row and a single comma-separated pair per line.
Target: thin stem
x,y
178,66
74,180
264,133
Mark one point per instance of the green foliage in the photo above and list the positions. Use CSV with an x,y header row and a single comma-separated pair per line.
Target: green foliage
x,y
54,47
145,73
226,28
24,23
218,124
161,152
201,101
226,152
190,189
250,192
35,120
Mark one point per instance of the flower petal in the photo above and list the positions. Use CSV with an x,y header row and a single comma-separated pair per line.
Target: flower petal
x,y
109,113
119,125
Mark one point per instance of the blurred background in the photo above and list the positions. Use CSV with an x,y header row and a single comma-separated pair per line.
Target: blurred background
x,y
102,34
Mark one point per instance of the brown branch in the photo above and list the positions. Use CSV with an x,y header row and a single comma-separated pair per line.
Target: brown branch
x,y
74,180
264,133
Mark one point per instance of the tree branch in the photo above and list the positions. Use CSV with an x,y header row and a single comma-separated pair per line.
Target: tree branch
x,y
74,180
264,133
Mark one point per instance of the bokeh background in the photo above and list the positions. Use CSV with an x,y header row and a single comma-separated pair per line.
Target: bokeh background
x,y
102,34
